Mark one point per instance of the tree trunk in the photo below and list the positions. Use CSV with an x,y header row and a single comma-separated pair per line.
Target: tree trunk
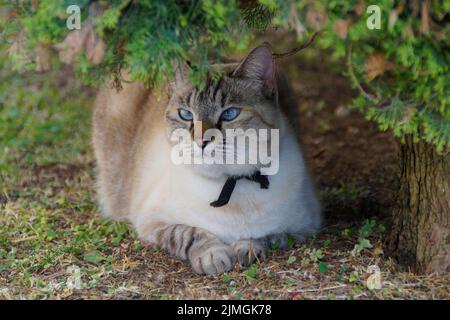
x,y
420,234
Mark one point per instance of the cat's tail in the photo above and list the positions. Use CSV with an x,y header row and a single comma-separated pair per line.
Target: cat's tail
x,y
115,119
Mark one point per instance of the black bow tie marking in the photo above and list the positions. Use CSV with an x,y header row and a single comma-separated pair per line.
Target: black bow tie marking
x,y
229,185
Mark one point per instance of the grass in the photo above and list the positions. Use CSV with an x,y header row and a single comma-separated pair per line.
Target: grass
x,y
54,244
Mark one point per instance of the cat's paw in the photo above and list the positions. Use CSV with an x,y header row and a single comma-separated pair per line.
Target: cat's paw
x,y
215,259
248,251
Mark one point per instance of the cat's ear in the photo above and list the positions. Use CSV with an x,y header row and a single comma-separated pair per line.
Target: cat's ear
x,y
181,72
259,65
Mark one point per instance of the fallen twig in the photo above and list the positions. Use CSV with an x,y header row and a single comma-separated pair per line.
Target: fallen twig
x,y
355,81
24,239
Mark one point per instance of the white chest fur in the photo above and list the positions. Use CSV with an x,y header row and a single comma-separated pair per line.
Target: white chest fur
x,y
175,194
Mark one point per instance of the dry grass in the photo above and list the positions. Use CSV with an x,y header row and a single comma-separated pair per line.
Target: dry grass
x,y
57,247
54,245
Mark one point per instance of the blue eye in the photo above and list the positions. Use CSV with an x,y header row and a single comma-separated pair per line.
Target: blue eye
x,y
186,115
230,114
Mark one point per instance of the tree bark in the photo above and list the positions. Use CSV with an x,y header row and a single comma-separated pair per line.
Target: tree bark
x,y
420,233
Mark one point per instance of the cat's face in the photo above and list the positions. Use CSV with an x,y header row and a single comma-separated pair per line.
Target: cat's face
x,y
243,100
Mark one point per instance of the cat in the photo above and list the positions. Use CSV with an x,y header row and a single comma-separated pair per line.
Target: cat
x,y
169,204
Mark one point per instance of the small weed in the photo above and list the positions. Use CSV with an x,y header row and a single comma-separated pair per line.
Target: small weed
x,y
316,255
289,281
226,278
251,272
327,243
291,260
322,267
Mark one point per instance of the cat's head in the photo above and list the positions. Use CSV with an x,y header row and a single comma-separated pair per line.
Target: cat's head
x,y
245,97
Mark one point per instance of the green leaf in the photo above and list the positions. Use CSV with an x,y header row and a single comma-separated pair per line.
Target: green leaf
x,y
94,257
275,245
251,271
354,276
289,281
365,243
50,235
316,255
346,232
367,228
361,245
327,243
291,241
117,239
291,260
323,267
304,262
137,246
226,278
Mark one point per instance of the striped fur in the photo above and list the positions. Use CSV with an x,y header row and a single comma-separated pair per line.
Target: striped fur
x,y
206,253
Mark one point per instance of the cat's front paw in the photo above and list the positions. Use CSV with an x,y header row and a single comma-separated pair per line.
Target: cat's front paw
x,y
248,251
215,259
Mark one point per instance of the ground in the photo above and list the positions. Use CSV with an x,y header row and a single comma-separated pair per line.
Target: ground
x,y
55,245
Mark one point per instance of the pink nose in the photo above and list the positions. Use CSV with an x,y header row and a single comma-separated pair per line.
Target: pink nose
x,y
201,143
198,133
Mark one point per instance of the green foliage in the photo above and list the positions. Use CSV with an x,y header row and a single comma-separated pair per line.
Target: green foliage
x,y
361,245
316,255
322,267
258,15
410,77
401,70
251,272
366,231
291,259
367,228
94,257
144,37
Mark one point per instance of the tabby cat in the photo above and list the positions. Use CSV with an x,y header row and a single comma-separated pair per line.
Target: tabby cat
x,y
170,205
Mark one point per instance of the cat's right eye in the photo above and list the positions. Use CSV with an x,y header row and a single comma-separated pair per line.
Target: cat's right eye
x,y
186,115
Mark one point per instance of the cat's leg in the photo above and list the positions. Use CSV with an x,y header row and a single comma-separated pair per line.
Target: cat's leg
x,y
249,251
206,253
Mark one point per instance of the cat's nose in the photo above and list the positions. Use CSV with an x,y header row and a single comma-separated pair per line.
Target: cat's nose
x,y
199,131
199,141
202,143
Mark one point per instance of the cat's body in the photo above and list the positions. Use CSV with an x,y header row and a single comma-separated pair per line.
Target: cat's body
x,y
169,204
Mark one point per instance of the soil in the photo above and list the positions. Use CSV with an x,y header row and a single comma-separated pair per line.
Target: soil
x,y
342,148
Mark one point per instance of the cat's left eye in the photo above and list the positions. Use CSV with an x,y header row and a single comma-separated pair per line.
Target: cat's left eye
x,y
186,115
230,114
